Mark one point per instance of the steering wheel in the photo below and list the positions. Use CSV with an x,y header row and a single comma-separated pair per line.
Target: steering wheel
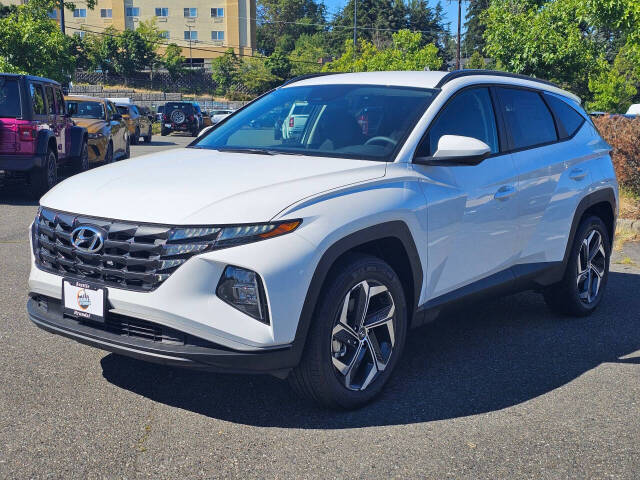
x,y
379,139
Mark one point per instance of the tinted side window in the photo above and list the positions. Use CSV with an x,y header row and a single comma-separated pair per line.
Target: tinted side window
x,y
51,103
569,119
60,101
37,99
527,117
469,114
9,98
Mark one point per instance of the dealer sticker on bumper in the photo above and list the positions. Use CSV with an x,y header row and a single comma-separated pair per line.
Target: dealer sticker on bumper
x,y
83,300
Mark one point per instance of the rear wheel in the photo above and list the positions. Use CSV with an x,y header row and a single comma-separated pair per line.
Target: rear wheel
x,y
581,289
357,335
43,178
127,150
81,163
147,138
165,131
136,137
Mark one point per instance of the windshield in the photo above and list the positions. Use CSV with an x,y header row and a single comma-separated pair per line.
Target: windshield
x,y
123,110
9,98
86,109
367,122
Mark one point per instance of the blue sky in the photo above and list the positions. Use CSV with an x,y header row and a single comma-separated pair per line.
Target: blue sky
x,y
450,8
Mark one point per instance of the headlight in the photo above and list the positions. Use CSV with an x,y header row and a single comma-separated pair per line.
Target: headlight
x,y
196,239
243,289
95,135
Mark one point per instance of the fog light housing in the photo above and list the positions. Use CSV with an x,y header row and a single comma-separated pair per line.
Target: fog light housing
x,y
242,289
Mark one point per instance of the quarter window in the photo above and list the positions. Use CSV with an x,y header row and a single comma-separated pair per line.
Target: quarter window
x,y
569,119
51,103
37,100
527,118
469,114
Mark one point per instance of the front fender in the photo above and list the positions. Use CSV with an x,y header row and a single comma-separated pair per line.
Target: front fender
x,y
78,137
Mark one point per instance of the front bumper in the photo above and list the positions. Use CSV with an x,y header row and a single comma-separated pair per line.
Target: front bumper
x,y
196,353
20,163
97,149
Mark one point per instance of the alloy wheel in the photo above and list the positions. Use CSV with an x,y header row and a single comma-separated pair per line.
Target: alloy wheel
x,y
591,268
52,170
363,335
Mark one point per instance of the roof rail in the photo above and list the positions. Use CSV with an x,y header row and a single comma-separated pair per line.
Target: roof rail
x,y
306,76
466,73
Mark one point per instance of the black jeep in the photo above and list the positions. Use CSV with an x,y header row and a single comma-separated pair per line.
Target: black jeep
x,y
181,117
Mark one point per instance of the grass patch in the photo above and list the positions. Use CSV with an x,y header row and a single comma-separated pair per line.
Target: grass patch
x,y
626,261
629,204
623,236
156,128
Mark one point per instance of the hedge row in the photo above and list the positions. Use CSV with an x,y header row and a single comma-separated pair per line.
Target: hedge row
x,y
623,134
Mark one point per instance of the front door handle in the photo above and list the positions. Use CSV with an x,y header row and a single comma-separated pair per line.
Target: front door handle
x,y
505,193
577,174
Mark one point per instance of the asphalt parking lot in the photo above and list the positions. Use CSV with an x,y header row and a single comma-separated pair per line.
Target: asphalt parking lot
x,y
501,390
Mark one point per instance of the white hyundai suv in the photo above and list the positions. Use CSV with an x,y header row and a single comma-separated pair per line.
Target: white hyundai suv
x,y
310,257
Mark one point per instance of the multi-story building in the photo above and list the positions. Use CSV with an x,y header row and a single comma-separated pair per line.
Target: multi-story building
x,y
209,27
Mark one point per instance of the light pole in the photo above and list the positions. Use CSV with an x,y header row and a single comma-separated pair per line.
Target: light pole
x,y
459,23
62,16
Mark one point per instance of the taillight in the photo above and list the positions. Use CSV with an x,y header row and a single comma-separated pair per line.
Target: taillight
x,y
165,116
191,117
27,133
290,121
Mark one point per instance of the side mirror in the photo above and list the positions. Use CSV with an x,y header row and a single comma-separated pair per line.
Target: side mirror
x,y
457,150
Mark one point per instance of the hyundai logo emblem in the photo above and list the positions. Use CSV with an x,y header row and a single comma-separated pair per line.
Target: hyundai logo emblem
x,y
87,239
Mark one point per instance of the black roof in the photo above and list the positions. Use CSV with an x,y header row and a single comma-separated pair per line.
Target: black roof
x,y
30,77
496,73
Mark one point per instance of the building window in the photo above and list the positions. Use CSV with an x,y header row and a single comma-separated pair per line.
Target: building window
x,y
80,13
53,14
190,12
193,37
162,12
217,12
164,34
106,13
217,35
133,11
80,33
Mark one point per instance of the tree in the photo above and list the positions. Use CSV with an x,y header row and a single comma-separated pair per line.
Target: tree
x,y
308,51
102,50
549,41
31,42
173,60
476,61
281,22
255,76
473,38
405,53
226,71
614,87
279,65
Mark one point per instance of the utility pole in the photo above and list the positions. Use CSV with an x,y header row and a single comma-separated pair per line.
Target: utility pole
x,y
459,27
355,26
62,16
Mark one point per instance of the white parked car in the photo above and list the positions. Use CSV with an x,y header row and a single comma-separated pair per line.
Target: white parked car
x,y
312,257
634,109
294,123
219,115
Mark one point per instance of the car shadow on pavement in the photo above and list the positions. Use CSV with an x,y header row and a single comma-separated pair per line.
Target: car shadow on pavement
x,y
15,194
157,143
473,360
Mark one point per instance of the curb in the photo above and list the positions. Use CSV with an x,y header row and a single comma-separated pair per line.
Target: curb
x,y
628,224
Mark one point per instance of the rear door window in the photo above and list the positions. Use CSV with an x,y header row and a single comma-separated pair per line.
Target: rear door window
x,y
60,101
527,117
570,121
9,98
51,103
469,114
37,99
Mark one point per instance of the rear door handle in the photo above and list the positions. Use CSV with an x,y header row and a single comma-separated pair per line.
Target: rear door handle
x,y
577,174
505,193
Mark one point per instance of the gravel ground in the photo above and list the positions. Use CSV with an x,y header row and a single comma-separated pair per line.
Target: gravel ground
x,y
501,390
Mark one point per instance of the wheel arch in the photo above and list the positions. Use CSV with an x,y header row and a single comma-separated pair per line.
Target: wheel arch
x,y
46,140
78,137
389,241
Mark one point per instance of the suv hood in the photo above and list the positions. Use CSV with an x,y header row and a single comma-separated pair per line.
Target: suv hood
x,y
200,187
92,125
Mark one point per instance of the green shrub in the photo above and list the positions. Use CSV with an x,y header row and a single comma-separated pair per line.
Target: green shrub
x,y
623,134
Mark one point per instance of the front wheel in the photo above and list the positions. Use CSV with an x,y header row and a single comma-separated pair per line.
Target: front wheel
x,y
149,136
581,289
81,163
357,335
136,137
127,150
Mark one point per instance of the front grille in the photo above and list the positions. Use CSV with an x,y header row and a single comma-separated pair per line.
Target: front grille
x,y
133,256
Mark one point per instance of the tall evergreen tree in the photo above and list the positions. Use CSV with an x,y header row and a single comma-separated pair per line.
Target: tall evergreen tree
x,y
473,38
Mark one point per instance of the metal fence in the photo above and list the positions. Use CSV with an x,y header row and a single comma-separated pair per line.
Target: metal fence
x,y
190,81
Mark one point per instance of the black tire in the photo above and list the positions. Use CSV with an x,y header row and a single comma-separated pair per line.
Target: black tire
x,y
127,150
149,136
136,137
564,297
81,163
108,156
317,377
164,132
44,178
195,132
